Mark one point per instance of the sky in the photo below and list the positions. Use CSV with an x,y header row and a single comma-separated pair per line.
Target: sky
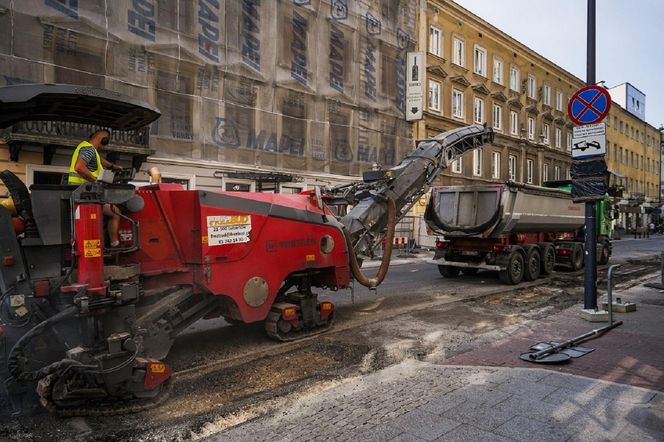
x,y
630,39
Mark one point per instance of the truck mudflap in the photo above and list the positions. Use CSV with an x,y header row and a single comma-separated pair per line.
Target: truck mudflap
x,y
464,265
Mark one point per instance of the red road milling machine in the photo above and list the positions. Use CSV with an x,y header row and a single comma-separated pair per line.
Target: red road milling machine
x,y
84,329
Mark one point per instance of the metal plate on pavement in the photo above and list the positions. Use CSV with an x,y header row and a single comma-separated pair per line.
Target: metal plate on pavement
x,y
574,352
553,358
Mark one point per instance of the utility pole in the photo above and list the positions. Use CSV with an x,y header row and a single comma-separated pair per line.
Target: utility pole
x,y
590,264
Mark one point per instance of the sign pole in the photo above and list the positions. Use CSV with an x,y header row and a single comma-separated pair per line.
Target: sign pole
x,y
590,265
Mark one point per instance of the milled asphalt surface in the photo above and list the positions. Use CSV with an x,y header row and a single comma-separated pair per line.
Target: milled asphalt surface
x,y
488,394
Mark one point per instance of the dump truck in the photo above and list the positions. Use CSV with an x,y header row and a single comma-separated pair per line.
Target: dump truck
x,y
521,231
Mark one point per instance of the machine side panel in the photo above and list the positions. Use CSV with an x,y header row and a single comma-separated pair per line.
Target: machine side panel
x,y
158,250
250,254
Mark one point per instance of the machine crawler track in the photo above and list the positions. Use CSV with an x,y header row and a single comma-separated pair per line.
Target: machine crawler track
x,y
274,332
45,386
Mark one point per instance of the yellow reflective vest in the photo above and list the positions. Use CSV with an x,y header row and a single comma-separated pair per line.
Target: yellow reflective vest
x,y
74,177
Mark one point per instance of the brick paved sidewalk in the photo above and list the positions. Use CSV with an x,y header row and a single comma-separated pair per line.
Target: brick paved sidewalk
x,y
632,353
416,401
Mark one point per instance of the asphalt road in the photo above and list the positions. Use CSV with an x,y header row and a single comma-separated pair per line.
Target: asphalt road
x,y
637,248
414,277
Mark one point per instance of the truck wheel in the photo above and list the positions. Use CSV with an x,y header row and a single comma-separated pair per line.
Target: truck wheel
x,y
531,270
577,257
448,271
548,255
603,255
513,274
469,271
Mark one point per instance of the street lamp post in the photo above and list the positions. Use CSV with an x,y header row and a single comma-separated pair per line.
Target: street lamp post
x,y
590,264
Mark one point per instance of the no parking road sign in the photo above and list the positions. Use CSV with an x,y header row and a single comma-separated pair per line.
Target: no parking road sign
x,y
589,105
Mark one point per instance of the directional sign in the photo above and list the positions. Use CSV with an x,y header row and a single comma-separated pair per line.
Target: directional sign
x,y
589,105
589,141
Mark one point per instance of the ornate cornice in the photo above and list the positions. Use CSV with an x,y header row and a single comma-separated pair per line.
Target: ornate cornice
x,y
499,96
515,103
437,69
480,89
460,80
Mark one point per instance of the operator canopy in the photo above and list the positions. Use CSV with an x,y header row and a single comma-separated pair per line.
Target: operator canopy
x,y
73,103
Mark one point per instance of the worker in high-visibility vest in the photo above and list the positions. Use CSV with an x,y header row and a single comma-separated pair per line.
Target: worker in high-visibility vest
x,y
86,165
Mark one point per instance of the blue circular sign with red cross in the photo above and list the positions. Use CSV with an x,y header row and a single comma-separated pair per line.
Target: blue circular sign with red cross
x,y
589,105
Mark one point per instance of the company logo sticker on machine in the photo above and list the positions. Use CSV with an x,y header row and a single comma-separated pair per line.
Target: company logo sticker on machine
x,y
92,248
225,229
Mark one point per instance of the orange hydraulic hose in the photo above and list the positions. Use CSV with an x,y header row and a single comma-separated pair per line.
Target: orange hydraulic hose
x,y
387,252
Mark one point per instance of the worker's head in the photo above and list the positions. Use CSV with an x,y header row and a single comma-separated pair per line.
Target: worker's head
x,y
100,138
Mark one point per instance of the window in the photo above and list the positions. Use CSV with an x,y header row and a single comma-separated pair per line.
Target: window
x,y
290,190
45,174
478,110
239,186
546,92
511,167
532,87
545,172
187,181
569,141
530,167
479,64
559,100
567,173
556,173
497,117
495,164
514,123
545,134
435,41
477,162
620,154
457,165
434,96
457,103
514,79
459,52
531,128
615,122
559,137
498,70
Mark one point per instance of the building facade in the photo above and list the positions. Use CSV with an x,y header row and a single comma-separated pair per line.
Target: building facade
x,y
271,95
476,73
634,155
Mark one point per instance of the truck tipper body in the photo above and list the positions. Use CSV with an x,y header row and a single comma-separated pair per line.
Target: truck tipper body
x,y
520,230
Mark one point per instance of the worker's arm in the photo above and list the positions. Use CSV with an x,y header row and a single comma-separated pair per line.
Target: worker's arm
x,y
81,168
108,165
